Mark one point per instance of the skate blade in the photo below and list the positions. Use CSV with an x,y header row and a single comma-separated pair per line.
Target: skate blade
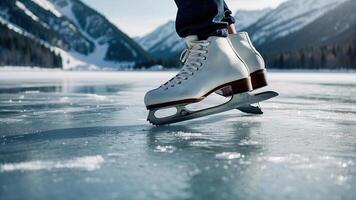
x,y
250,109
256,110
183,114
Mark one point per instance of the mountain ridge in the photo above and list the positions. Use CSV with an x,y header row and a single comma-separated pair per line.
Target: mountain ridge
x,y
289,17
76,28
337,25
266,27
245,18
165,42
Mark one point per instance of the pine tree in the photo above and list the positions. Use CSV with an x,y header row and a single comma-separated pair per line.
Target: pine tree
x,y
281,61
302,60
323,61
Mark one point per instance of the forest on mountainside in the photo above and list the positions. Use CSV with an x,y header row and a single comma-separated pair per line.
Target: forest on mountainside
x,y
19,50
341,55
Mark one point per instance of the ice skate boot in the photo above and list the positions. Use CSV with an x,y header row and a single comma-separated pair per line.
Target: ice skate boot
x,y
255,63
209,65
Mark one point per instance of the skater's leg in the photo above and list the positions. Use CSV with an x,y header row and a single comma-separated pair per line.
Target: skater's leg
x,y
203,18
243,45
210,64
229,19
228,15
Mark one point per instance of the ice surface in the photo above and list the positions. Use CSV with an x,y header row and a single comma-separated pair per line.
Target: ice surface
x,y
84,135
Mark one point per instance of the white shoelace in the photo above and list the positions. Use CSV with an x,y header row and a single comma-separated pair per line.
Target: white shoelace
x,y
192,58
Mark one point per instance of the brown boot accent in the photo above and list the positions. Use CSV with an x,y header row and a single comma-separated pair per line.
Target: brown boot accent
x,y
236,87
259,79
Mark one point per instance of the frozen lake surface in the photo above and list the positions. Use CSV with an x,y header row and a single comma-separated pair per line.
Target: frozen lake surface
x,y
84,135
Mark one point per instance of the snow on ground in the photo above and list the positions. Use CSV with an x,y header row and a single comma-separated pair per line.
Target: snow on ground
x,y
27,11
45,4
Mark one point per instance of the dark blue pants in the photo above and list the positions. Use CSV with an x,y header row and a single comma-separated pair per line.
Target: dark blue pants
x,y
204,18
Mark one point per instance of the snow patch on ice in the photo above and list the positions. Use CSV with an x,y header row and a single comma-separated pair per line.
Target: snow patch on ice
x,y
165,149
88,163
97,97
247,143
228,155
187,136
10,120
32,92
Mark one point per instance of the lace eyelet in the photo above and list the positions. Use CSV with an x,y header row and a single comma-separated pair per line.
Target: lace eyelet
x,y
172,85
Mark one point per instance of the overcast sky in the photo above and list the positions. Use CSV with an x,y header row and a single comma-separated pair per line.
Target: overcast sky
x,y
139,17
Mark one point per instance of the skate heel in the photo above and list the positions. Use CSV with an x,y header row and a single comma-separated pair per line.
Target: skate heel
x,y
259,79
237,87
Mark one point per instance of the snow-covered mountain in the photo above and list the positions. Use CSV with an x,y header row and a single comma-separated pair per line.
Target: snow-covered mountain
x,y
334,27
288,18
266,27
245,18
164,41
17,49
76,31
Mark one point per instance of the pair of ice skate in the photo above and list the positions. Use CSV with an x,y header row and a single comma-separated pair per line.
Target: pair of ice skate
x,y
230,66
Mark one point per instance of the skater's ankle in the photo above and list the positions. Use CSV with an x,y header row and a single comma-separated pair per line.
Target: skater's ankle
x,y
231,29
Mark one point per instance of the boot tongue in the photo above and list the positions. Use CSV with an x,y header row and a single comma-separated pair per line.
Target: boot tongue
x,y
191,38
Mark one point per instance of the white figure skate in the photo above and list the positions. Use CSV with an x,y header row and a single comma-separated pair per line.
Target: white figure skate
x,y
256,65
253,61
209,66
242,44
